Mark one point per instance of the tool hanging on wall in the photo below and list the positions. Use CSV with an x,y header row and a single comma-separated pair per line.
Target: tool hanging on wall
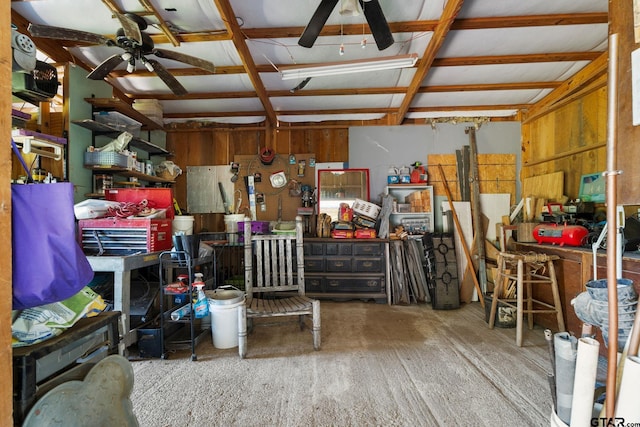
x,y
225,201
266,156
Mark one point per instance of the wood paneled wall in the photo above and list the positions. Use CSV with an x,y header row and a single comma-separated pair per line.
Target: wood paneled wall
x,y
219,146
570,139
628,135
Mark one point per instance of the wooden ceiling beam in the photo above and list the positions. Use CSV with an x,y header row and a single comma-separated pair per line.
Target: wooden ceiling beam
x,y
429,25
464,61
230,21
338,92
451,10
515,59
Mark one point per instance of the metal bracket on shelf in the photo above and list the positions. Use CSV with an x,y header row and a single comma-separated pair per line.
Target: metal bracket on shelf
x,y
31,140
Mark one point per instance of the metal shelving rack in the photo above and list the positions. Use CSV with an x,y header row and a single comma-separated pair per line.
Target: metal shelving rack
x,y
170,260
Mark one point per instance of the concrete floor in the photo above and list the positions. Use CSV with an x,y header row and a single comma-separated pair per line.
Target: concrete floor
x,y
379,365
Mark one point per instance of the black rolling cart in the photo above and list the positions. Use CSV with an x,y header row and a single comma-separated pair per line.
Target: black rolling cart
x,y
185,331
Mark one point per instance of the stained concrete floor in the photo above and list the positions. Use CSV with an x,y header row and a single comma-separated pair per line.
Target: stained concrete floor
x,y
379,365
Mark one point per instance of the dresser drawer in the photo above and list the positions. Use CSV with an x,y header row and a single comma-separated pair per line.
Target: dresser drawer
x,y
351,284
371,249
314,284
338,249
314,265
311,249
368,265
339,265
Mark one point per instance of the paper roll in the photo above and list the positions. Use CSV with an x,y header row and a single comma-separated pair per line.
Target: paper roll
x,y
584,382
627,405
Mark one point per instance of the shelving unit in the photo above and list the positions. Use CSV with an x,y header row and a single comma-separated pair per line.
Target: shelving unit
x,y
420,221
99,129
177,340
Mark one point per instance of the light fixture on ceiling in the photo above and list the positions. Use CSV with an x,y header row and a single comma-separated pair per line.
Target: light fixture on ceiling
x,y
289,72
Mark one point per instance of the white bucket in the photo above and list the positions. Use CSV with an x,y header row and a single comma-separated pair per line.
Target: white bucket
x,y
183,223
223,309
231,227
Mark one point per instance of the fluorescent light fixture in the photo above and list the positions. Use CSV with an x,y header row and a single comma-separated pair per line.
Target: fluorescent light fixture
x,y
290,72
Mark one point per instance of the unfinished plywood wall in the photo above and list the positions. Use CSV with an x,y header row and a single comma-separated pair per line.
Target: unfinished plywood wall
x,y
570,139
496,172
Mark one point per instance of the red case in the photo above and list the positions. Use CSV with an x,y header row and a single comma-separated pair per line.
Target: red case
x,y
365,233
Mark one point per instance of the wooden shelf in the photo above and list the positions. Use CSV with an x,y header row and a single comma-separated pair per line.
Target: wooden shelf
x,y
126,172
137,142
124,108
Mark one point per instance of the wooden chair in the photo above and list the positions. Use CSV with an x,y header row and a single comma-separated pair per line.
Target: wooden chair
x,y
270,270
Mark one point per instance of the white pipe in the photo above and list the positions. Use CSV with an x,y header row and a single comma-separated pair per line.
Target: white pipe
x,y
585,381
627,405
611,197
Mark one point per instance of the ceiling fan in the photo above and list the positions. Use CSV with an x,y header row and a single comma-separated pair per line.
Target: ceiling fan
x,y
372,12
136,45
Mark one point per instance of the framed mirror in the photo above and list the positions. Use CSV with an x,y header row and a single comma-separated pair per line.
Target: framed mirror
x,y
337,186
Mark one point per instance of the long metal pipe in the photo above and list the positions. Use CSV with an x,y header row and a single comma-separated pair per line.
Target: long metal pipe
x,y
611,197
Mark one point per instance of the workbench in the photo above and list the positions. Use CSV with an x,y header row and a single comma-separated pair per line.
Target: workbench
x,y
121,267
574,269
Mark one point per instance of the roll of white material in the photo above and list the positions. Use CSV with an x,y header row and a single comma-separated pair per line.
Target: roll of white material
x,y
584,382
566,352
627,405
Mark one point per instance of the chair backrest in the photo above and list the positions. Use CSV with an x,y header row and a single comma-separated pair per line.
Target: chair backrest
x,y
273,262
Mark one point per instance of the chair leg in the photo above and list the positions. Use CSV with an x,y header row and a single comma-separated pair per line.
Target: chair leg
x,y
242,331
520,303
301,321
497,291
316,324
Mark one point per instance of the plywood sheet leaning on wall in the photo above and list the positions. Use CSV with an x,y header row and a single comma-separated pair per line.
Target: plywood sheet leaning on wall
x,y
549,186
496,172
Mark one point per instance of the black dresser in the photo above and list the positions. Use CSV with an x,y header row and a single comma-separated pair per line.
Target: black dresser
x,y
343,269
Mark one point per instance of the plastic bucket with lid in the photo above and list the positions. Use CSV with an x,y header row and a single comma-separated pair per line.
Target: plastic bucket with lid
x,y
231,227
223,309
182,223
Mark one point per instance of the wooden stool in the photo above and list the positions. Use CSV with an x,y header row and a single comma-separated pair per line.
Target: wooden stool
x,y
532,269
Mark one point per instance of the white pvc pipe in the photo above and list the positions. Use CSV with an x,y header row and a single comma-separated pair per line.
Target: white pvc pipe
x,y
584,382
627,405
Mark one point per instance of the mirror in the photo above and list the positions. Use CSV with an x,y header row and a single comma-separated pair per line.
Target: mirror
x,y
337,186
